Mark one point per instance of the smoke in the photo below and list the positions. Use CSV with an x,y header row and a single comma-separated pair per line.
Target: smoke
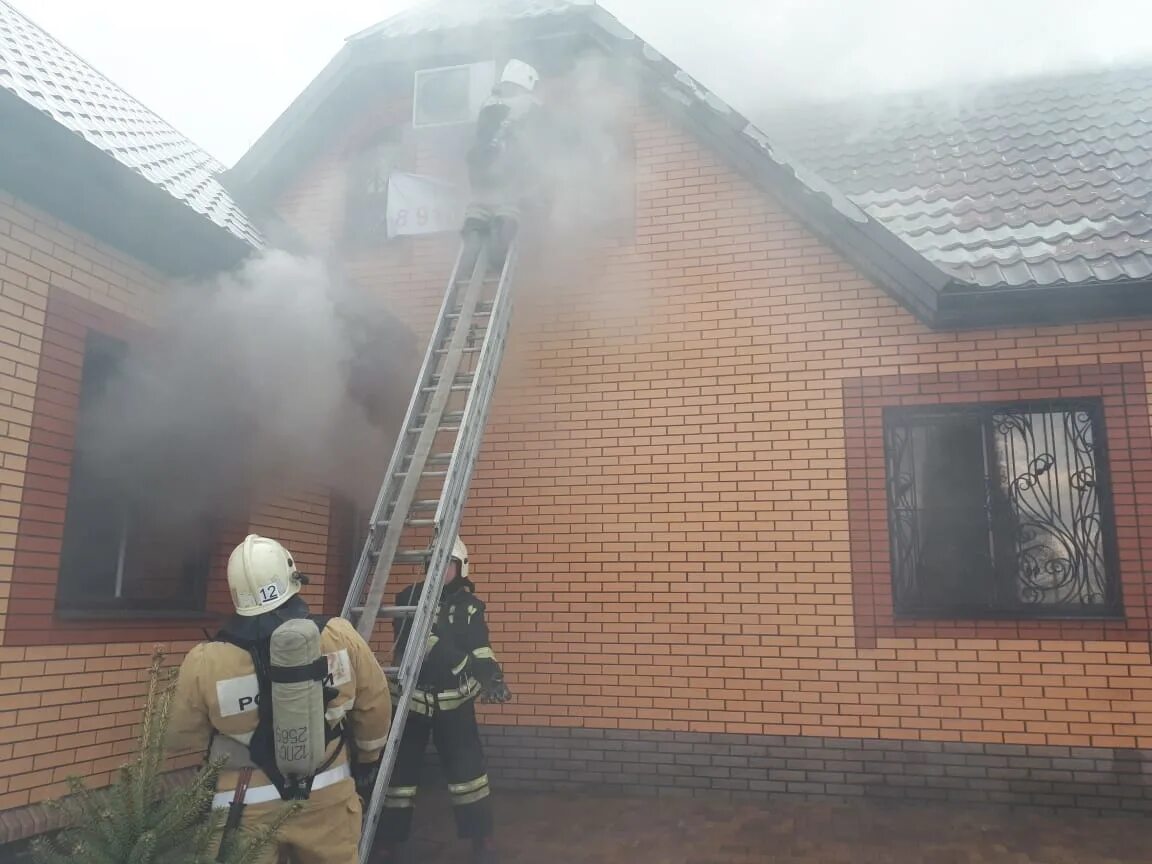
x,y
276,375
760,56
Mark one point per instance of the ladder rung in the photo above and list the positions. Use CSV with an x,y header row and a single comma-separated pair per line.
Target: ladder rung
x,y
420,523
457,387
462,350
465,378
424,474
391,671
426,505
433,457
449,422
416,430
481,309
411,556
389,611
446,417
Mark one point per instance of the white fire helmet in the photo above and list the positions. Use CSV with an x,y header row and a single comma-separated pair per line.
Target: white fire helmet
x,y
261,576
460,553
521,74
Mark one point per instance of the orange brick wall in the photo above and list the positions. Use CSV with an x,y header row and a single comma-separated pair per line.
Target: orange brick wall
x,y
71,708
660,516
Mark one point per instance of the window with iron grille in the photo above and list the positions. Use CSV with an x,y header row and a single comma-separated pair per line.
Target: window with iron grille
x,y
1001,511
121,555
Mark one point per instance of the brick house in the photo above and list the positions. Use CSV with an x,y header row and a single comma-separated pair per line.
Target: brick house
x,y
102,206
708,515
814,475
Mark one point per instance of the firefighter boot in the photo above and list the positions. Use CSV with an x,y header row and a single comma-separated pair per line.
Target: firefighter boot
x,y
391,854
484,851
478,217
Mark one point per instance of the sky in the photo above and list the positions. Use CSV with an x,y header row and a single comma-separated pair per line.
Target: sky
x,y
221,71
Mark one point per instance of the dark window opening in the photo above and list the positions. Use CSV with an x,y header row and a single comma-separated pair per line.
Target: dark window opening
x,y
350,525
368,172
118,554
1001,511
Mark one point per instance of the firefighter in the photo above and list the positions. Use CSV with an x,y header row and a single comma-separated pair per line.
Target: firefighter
x,y
459,668
240,692
504,160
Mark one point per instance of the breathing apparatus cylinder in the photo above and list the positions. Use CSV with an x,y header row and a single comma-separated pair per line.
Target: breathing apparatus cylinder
x,y
298,724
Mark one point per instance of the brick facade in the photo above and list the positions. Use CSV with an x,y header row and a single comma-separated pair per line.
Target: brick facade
x,y
666,518
70,691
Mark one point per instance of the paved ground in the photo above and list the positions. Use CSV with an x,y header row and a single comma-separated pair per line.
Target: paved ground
x,y
549,829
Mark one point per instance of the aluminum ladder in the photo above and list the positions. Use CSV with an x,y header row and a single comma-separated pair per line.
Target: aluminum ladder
x,y
418,510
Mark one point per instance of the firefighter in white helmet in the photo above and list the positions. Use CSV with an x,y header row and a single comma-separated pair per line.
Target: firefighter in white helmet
x,y
459,668
504,160
275,673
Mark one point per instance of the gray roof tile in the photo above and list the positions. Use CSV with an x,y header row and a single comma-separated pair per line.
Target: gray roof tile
x,y
1038,182
45,74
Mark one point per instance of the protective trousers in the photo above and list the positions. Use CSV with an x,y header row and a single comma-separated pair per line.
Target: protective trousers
x,y
325,831
456,736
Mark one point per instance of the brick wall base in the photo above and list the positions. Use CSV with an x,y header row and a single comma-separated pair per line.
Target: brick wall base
x,y
22,823
751,766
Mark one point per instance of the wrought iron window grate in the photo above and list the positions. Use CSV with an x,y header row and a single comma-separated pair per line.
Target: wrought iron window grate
x,y
1001,510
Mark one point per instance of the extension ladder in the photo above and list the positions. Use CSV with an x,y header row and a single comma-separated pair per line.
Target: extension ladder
x,y
417,513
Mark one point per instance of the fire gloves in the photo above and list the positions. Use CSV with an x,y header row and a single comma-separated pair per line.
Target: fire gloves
x,y
364,776
496,691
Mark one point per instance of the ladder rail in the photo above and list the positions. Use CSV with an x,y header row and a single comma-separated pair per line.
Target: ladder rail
x,y
427,370
449,515
476,409
422,447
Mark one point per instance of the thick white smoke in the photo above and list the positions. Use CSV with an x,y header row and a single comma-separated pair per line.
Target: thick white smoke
x,y
268,377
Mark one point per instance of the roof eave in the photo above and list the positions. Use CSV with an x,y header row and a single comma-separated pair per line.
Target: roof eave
x,y
44,163
967,307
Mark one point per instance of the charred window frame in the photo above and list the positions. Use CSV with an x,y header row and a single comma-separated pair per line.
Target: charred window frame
x,y
1001,511
118,557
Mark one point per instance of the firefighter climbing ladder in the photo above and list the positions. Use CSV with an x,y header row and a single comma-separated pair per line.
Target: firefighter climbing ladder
x,y
418,511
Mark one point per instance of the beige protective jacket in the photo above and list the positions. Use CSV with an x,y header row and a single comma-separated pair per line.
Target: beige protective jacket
x,y
217,689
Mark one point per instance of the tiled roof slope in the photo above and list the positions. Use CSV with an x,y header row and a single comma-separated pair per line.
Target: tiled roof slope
x,y
1031,182
440,15
45,74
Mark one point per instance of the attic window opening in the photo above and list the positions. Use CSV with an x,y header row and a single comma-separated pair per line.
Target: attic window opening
x,y
450,95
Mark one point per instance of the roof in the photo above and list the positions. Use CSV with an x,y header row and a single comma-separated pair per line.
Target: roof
x,y
46,75
436,16
1040,181
936,231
